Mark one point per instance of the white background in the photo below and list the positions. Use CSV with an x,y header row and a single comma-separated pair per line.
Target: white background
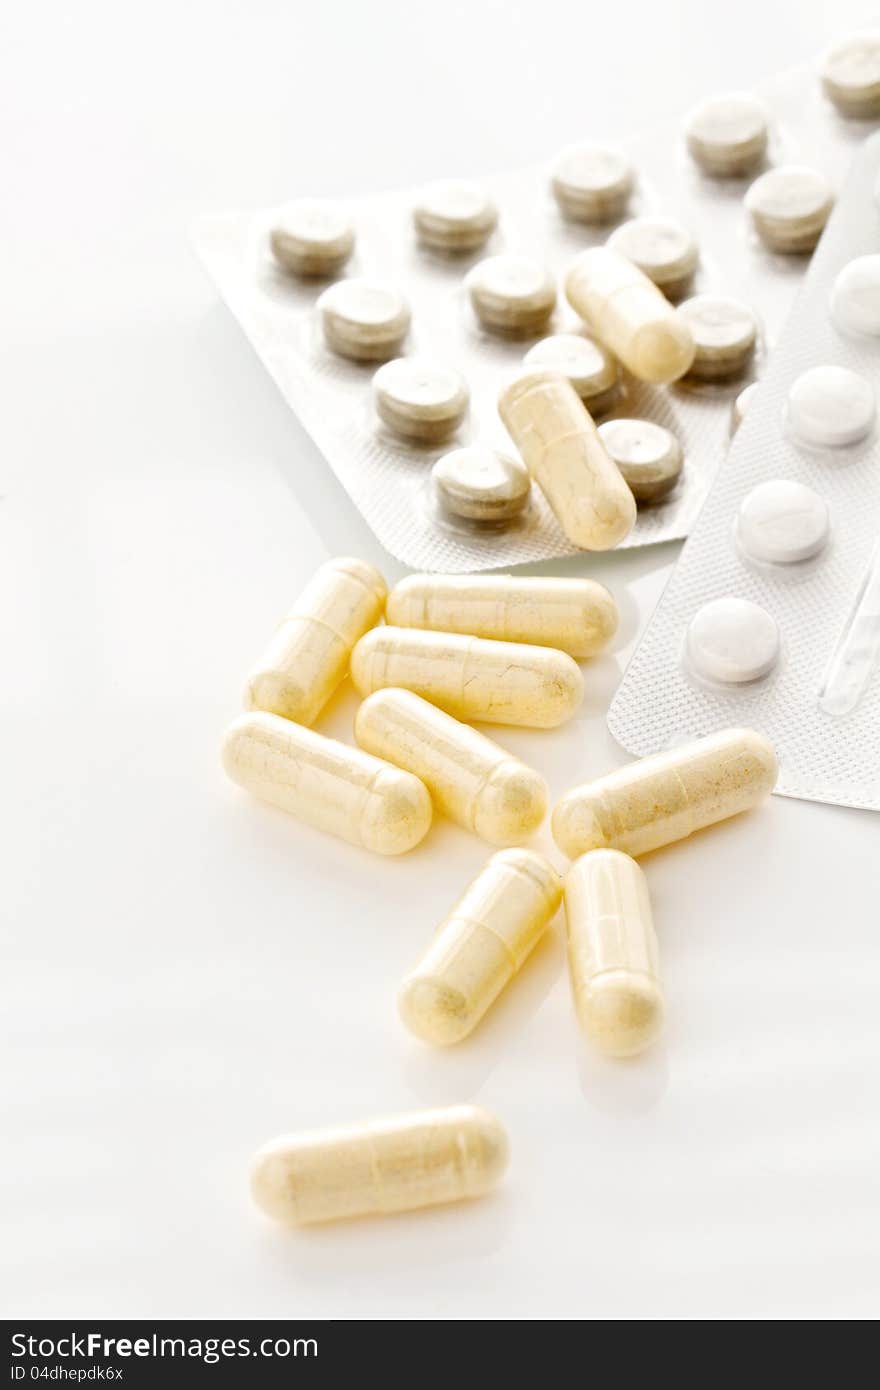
x,y
188,973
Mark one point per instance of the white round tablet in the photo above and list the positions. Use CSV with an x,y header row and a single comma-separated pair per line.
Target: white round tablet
x,y
830,407
789,207
649,456
592,183
742,403
420,399
312,237
851,75
511,294
782,522
589,366
732,641
727,135
662,249
724,332
855,297
454,215
480,484
364,319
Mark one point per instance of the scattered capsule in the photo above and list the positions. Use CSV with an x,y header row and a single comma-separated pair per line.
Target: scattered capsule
x,y
612,953
577,616
480,947
309,654
326,784
667,797
419,1159
471,780
630,315
469,677
564,453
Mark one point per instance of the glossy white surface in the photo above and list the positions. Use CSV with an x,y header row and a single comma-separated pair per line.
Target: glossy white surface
x,y
188,973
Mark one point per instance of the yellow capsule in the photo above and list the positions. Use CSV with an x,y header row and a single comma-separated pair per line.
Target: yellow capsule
x,y
562,449
577,616
474,679
309,654
480,947
420,1159
667,797
327,784
612,952
470,778
630,315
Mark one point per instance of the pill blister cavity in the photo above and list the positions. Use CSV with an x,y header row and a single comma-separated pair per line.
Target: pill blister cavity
x,y
511,294
589,366
419,399
725,332
782,522
851,75
312,237
481,484
831,407
648,455
364,319
454,215
662,249
727,135
732,641
855,297
592,183
789,207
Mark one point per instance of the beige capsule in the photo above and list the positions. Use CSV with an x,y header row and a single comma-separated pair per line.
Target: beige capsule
x,y
649,456
419,1159
662,249
667,797
338,789
454,215
469,677
364,319
480,946
420,399
312,237
564,453
627,312
612,953
473,781
308,656
511,294
789,207
577,616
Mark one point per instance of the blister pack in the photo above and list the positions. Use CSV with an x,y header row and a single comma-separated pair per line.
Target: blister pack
x,y
771,618
390,480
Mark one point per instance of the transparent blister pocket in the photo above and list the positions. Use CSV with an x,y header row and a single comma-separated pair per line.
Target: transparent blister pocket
x,y
387,478
807,553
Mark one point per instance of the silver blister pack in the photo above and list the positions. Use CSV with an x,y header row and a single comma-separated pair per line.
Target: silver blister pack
x,y
389,481
820,704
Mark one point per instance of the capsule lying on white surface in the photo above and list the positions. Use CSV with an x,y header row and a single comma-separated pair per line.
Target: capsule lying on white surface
x,y
667,797
564,453
308,656
473,781
338,789
469,677
630,315
577,616
420,1159
612,953
481,945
